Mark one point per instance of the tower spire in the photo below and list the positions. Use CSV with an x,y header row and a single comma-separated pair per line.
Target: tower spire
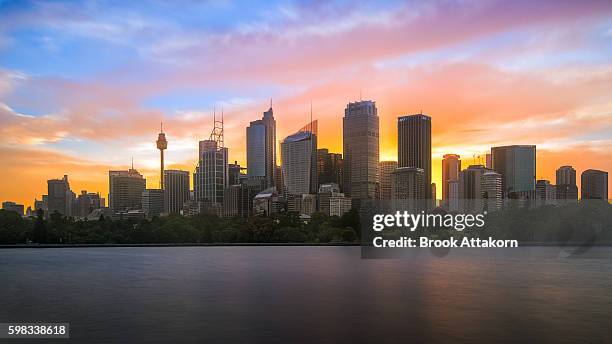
x,y
311,117
162,144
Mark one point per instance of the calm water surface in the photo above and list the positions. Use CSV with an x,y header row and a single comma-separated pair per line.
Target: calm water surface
x,y
309,294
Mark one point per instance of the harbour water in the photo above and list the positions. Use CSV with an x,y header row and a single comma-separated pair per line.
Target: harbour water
x,y
310,294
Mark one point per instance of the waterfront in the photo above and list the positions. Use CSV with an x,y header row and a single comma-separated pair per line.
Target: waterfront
x,y
316,294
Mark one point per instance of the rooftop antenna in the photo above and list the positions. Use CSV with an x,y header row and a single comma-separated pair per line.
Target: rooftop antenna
x,y
360,98
132,162
217,132
311,117
270,103
161,127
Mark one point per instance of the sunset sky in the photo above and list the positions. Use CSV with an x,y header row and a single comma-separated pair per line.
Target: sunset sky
x,y
85,84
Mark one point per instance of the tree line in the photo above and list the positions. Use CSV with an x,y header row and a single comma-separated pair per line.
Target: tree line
x,y
202,228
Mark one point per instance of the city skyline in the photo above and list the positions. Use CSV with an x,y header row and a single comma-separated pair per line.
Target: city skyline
x,y
496,80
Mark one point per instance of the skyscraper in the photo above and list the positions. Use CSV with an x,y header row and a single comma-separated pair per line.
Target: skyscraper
x,y
261,148
235,173
59,196
451,167
594,184
238,201
211,176
408,183
176,191
329,167
414,145
566,189
360,132
87,202
566,175
278,180
545,193
517,165
386,168
470,187
299,163
161,145
212,173
125,190
152,202
566,193
491,189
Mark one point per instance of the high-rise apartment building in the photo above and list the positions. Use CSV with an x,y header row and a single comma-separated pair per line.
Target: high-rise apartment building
x,y
594,184
125,190
261,148
360,132
517,165
299,163
414,145
451,167
176,191
386,168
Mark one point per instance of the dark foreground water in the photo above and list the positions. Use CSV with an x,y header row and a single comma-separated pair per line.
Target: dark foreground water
x,y
309,294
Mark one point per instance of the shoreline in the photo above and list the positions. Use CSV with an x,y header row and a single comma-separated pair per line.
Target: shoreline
x,y
172,245
40,246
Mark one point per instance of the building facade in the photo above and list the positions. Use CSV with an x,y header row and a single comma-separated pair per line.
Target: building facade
x,y
299,163
59,196
594,184
261,148
329,167
470,188
491,190
87,202
125,190
360,133
386,169
408,183
566,175
153,202
212,174
546,193
414,145
176,191
12,206
517,165
451,167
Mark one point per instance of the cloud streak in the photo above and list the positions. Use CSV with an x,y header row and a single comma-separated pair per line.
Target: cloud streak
x,y
489,72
